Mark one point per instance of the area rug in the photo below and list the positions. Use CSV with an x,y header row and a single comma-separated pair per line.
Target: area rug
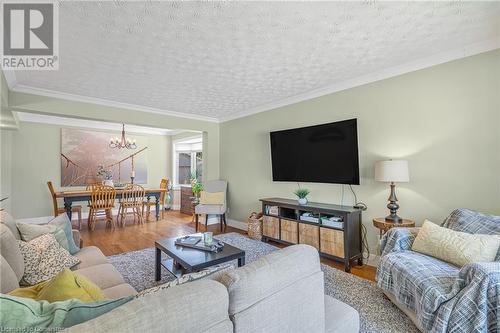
x,y
377,313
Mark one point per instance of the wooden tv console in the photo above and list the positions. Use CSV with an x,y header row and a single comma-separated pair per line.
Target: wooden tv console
x,y
340,243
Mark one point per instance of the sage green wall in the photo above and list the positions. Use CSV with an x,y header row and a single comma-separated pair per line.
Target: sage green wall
x,y
6,168
444,120
36,159
5,144
4,90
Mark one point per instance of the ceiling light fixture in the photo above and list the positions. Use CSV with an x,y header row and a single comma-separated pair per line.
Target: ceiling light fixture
x,y
123,143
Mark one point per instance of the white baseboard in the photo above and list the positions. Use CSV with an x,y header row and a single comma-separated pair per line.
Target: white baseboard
x,y
237,224
74,217
373,260
176,207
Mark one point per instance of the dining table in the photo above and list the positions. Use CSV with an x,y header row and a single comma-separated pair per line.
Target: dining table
x,y
84,195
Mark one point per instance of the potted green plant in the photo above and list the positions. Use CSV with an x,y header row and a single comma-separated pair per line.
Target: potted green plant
x,y
196,187
302,194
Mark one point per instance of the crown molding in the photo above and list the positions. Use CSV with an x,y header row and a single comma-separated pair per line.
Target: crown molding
x,y
85,123
436,59
99,101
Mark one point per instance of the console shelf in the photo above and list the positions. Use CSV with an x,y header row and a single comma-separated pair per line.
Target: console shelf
x,y
340,242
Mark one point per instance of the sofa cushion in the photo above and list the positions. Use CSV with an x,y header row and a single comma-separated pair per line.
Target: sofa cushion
x,y
340,317
121,290
44,258
472,222
411,276
289,279
90,256
458,248
265,276
104,275
199,306
10,251
8,220
8,279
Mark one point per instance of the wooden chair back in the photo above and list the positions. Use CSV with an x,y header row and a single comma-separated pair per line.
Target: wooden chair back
x,y
163,185
54,199
133,195
91,187
102,197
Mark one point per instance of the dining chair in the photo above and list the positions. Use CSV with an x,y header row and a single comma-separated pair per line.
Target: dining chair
x,y
90,187
132,198
60,210
102,198
148,204
213,186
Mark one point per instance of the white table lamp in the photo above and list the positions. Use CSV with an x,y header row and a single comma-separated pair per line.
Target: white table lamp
x,y
392,172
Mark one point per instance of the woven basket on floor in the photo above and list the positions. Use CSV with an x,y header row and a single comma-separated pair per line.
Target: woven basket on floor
x,y
255,226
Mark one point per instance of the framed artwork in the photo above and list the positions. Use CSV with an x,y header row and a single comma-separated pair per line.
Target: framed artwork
x,y
84,152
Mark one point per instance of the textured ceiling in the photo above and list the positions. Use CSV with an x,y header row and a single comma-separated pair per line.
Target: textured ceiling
x,y
219,59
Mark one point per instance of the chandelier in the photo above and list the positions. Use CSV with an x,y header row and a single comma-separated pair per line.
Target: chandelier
x,y
123,143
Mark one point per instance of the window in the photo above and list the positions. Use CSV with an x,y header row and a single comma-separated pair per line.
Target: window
x,y
188,160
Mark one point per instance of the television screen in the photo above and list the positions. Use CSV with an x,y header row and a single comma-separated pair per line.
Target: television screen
x,y
325,153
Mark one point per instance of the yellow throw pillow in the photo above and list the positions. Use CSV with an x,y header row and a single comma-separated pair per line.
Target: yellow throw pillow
x,y
29,292
458,248
65,285
211,198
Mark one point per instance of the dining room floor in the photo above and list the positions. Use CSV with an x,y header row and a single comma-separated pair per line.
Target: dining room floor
x,y
136,236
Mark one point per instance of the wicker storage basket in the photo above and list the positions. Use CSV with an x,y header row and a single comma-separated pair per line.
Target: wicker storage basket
x,y
255,226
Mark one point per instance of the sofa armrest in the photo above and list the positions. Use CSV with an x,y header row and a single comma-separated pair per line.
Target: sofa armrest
x,y
481,271
77,239
397,240
478,300
199,306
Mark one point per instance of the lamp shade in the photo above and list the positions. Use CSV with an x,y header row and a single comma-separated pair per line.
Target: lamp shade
x,y
392,171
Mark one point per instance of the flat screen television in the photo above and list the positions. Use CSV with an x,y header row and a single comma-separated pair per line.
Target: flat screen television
x,y
325,153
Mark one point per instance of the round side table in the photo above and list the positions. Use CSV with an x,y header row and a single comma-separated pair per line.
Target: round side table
x,y
384,225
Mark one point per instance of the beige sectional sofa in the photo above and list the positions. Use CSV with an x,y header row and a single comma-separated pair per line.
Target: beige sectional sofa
x,y
280,292
93,265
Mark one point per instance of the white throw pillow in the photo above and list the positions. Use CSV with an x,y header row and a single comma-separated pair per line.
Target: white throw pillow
x,y
458,248
44,258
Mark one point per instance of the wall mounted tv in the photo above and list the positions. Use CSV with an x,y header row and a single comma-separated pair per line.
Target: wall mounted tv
x,y
325,153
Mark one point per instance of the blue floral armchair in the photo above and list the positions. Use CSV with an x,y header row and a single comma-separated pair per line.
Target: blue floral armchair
x,y
440,297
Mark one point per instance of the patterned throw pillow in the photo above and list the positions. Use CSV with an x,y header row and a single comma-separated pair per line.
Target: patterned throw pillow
x,y
43,259
60,226
212,273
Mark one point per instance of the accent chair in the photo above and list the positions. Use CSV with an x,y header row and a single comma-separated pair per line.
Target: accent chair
x,y
213,186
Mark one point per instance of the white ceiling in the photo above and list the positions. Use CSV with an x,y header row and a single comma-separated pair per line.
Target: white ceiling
x,y
221,60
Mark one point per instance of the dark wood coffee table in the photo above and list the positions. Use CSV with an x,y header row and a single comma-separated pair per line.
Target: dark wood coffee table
x,y
186,260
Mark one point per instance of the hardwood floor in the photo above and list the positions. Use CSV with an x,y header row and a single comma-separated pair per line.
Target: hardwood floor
x,y
137,237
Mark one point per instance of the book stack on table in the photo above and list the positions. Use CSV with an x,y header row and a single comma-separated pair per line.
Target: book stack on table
x,y
196,242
